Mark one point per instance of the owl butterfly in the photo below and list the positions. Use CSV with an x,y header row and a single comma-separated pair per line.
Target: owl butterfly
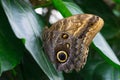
x,y
67,41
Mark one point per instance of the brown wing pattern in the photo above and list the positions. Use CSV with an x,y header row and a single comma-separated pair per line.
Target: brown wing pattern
x,y
67,41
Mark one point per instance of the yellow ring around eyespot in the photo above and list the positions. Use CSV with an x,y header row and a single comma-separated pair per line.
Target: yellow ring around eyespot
x,y
66,56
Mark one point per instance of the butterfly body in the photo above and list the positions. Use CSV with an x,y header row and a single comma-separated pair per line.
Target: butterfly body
x,y
67,41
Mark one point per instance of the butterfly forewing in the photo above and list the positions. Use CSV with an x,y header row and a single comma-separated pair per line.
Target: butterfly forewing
x,y
67,41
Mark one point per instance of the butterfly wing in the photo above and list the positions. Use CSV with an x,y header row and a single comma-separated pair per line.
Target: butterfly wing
x,y
67,41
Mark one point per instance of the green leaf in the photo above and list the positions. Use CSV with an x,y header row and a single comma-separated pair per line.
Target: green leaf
x,y
27,26
98,69
105,50
11,49
59,5
73,8
67,8
30,69
89,69
106,72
